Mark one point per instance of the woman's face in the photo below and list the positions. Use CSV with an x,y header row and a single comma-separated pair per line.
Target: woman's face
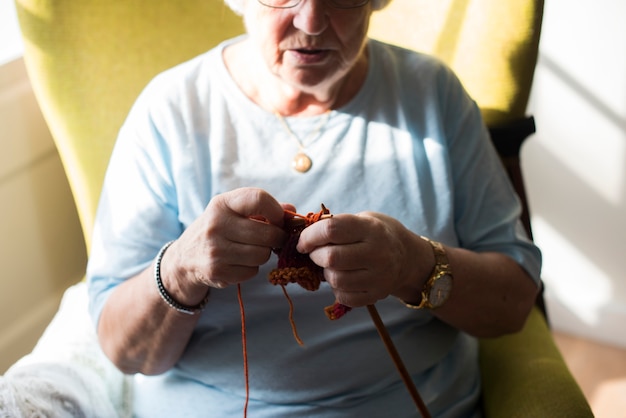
x,y
310,46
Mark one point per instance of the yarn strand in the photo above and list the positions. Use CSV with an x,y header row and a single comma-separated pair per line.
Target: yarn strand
x,y
397,360
244,345
294,267
294,330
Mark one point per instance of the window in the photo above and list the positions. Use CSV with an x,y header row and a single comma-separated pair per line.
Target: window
x,y
11,46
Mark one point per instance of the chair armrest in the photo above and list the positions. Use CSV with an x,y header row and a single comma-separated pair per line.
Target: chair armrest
x,y
524,375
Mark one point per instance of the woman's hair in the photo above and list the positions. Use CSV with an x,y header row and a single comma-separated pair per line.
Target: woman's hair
x,y
237,5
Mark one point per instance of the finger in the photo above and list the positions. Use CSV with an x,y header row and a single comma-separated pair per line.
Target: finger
x,y
355,300
353,281
340,229
359,281
345,257
288,206
253,232
358,287
253,202
237,266
248,216
227,252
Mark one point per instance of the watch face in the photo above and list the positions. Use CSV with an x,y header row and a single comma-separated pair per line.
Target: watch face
x,y
440,290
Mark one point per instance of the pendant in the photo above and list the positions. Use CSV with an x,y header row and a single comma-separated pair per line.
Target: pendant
x,y
301,162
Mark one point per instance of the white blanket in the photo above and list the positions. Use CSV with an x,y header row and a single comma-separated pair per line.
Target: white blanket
x,y
66,374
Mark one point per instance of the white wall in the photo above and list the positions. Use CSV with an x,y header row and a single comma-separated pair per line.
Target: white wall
x,y
575,166
11,44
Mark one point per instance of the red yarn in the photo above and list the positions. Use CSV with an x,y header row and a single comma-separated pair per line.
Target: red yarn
x,y
244,346
294,267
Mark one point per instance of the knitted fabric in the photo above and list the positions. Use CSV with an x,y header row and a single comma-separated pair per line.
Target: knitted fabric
x,y
295,267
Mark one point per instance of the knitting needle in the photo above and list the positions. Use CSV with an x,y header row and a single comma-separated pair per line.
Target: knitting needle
x,y
397,360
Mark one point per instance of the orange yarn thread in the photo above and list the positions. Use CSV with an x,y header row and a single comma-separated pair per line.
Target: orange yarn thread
x,y
244,345
294,330
294,267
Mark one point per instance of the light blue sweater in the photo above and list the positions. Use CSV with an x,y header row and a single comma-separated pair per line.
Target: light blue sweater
x,y
411,144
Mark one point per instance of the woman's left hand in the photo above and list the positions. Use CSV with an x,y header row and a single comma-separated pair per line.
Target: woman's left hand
x,y
367,257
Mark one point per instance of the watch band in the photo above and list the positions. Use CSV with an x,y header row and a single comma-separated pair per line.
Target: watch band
x,y
441,269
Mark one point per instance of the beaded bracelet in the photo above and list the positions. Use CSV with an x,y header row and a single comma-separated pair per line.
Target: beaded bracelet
x,y
189,310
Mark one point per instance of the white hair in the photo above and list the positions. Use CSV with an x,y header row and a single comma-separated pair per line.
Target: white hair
x,y
237,5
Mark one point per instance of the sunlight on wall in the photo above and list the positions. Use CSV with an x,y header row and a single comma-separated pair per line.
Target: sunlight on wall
x,y
588,39
11,45
571,282
582,130
581,77
575,166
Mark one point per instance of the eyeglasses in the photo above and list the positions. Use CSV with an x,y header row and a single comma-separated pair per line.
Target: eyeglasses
x,y
339,4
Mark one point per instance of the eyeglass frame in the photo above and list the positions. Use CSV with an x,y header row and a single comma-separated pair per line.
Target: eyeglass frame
x,y
297,2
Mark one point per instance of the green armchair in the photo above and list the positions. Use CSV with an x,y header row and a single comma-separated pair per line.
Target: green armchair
x,y
89,59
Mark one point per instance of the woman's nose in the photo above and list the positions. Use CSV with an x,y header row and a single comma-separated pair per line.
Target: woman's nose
x,y
311,16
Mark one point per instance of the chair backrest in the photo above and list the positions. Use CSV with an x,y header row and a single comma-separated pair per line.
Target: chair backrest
x,y
491,44
89,59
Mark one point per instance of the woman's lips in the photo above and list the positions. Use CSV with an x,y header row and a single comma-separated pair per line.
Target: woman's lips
x,y
310,56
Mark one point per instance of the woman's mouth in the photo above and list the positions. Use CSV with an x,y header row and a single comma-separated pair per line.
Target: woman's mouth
x,y
309,55
308,51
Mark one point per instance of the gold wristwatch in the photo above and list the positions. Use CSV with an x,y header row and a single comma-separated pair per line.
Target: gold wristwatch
x,y
437,289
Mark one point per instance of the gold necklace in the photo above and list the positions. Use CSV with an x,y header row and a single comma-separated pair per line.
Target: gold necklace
x,y
301,161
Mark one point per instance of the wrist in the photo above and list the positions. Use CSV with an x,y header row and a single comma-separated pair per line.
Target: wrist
x,y
438,286
188,301
434,288
421,263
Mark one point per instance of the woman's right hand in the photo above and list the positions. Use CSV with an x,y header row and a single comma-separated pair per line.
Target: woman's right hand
x,y
224,246
227,243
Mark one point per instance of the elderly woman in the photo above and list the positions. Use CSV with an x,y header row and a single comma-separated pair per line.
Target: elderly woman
x,y
305,109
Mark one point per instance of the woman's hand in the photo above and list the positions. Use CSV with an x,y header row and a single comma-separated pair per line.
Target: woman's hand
x,y
224,246
228,242
367,257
